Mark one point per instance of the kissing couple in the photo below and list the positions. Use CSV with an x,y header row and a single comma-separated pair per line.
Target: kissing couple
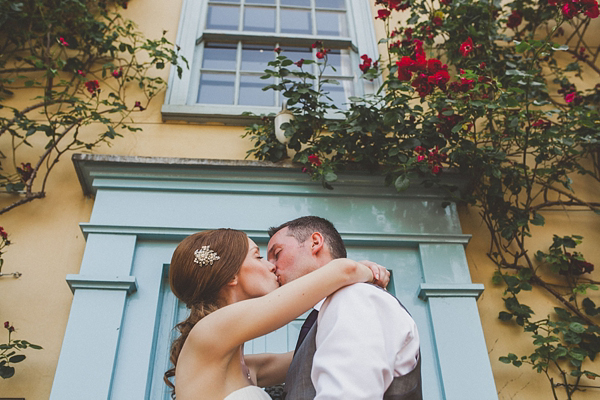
x,y
358,342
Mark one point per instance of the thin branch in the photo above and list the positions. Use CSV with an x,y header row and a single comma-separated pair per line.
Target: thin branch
x,y
27,199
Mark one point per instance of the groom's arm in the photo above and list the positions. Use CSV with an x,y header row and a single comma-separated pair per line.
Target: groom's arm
x,y
360,332
269,368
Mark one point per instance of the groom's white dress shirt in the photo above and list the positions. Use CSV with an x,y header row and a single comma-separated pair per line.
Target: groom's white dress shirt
x,y
364,339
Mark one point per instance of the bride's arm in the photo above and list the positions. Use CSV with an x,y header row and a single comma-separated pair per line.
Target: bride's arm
x,y
240,322
269,368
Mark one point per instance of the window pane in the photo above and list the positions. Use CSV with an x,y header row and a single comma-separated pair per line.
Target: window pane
x,y
338,4
339,93
341,61
219,56
225,1
223,17
296,21
216,89
251,92
255,57
259,19
260,1
301,3
331,23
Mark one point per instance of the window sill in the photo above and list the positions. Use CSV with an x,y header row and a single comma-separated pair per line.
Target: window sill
x,y
220,114
209,113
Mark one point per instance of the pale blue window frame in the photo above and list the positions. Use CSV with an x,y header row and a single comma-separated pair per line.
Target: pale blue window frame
x,y
185,99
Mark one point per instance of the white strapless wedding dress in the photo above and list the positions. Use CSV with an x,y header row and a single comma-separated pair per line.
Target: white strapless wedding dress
x,y
248,393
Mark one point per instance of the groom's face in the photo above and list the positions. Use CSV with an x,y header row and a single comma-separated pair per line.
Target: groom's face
x,y
291,258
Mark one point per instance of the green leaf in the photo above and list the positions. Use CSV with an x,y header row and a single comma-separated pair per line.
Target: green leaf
x,y
330,176
578,354
538,219
16,359
504,316
576,327
402,183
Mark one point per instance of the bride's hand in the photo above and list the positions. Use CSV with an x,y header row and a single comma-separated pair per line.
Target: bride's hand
x,y
381,276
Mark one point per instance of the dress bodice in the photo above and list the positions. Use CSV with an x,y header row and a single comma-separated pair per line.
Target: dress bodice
x,y
248,393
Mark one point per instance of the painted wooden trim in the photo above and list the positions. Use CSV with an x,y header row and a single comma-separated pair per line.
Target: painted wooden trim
x,y
126,283
189,174
463,361
178,233
91,342
427,290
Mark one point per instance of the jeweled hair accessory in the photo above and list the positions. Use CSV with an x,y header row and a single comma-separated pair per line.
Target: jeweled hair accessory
x,y
205,256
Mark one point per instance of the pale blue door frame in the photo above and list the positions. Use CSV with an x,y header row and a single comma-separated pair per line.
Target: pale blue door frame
x,y
116,340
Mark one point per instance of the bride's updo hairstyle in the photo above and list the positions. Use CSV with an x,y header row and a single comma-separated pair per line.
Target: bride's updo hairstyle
x,y
199,285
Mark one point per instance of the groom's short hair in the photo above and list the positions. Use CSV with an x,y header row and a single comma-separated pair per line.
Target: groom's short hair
x,y
301,228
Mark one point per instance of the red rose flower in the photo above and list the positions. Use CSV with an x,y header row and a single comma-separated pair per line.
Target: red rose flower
x,y
422,85
383,14
299,63
63,42
314,160
4,235
92,86
515,19
25,171
138,105
6,324
366,64
590,8
569,10
277,50
440,78
117,73
466,47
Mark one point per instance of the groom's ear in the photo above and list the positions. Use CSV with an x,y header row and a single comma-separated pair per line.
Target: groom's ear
x,y
317,243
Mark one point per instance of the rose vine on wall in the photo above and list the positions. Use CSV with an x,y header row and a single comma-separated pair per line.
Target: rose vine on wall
x,y
492,90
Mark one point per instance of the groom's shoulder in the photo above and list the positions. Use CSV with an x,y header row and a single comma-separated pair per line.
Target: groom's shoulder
x,y
365,292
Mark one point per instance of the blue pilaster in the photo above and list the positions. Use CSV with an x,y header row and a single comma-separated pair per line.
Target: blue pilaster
x,y
464,365
87,358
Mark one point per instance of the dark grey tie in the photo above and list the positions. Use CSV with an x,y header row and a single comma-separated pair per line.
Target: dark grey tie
x,y
308,323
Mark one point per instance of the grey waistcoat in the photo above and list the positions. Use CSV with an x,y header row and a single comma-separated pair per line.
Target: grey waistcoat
x,y
298,385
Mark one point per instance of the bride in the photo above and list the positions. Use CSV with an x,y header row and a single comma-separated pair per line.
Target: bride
x,y
234,296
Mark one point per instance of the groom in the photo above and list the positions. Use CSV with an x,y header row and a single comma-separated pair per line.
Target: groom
x,y
360,342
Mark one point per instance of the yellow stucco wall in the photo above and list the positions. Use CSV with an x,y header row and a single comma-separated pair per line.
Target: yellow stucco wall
x,y
48,244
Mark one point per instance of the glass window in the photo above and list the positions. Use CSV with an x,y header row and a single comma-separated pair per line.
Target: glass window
x,y
331,23
222,18
216,88
259,19
341,61
339,94
296,21
300,3
252,93
337,4
219,56
256,57
231,52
